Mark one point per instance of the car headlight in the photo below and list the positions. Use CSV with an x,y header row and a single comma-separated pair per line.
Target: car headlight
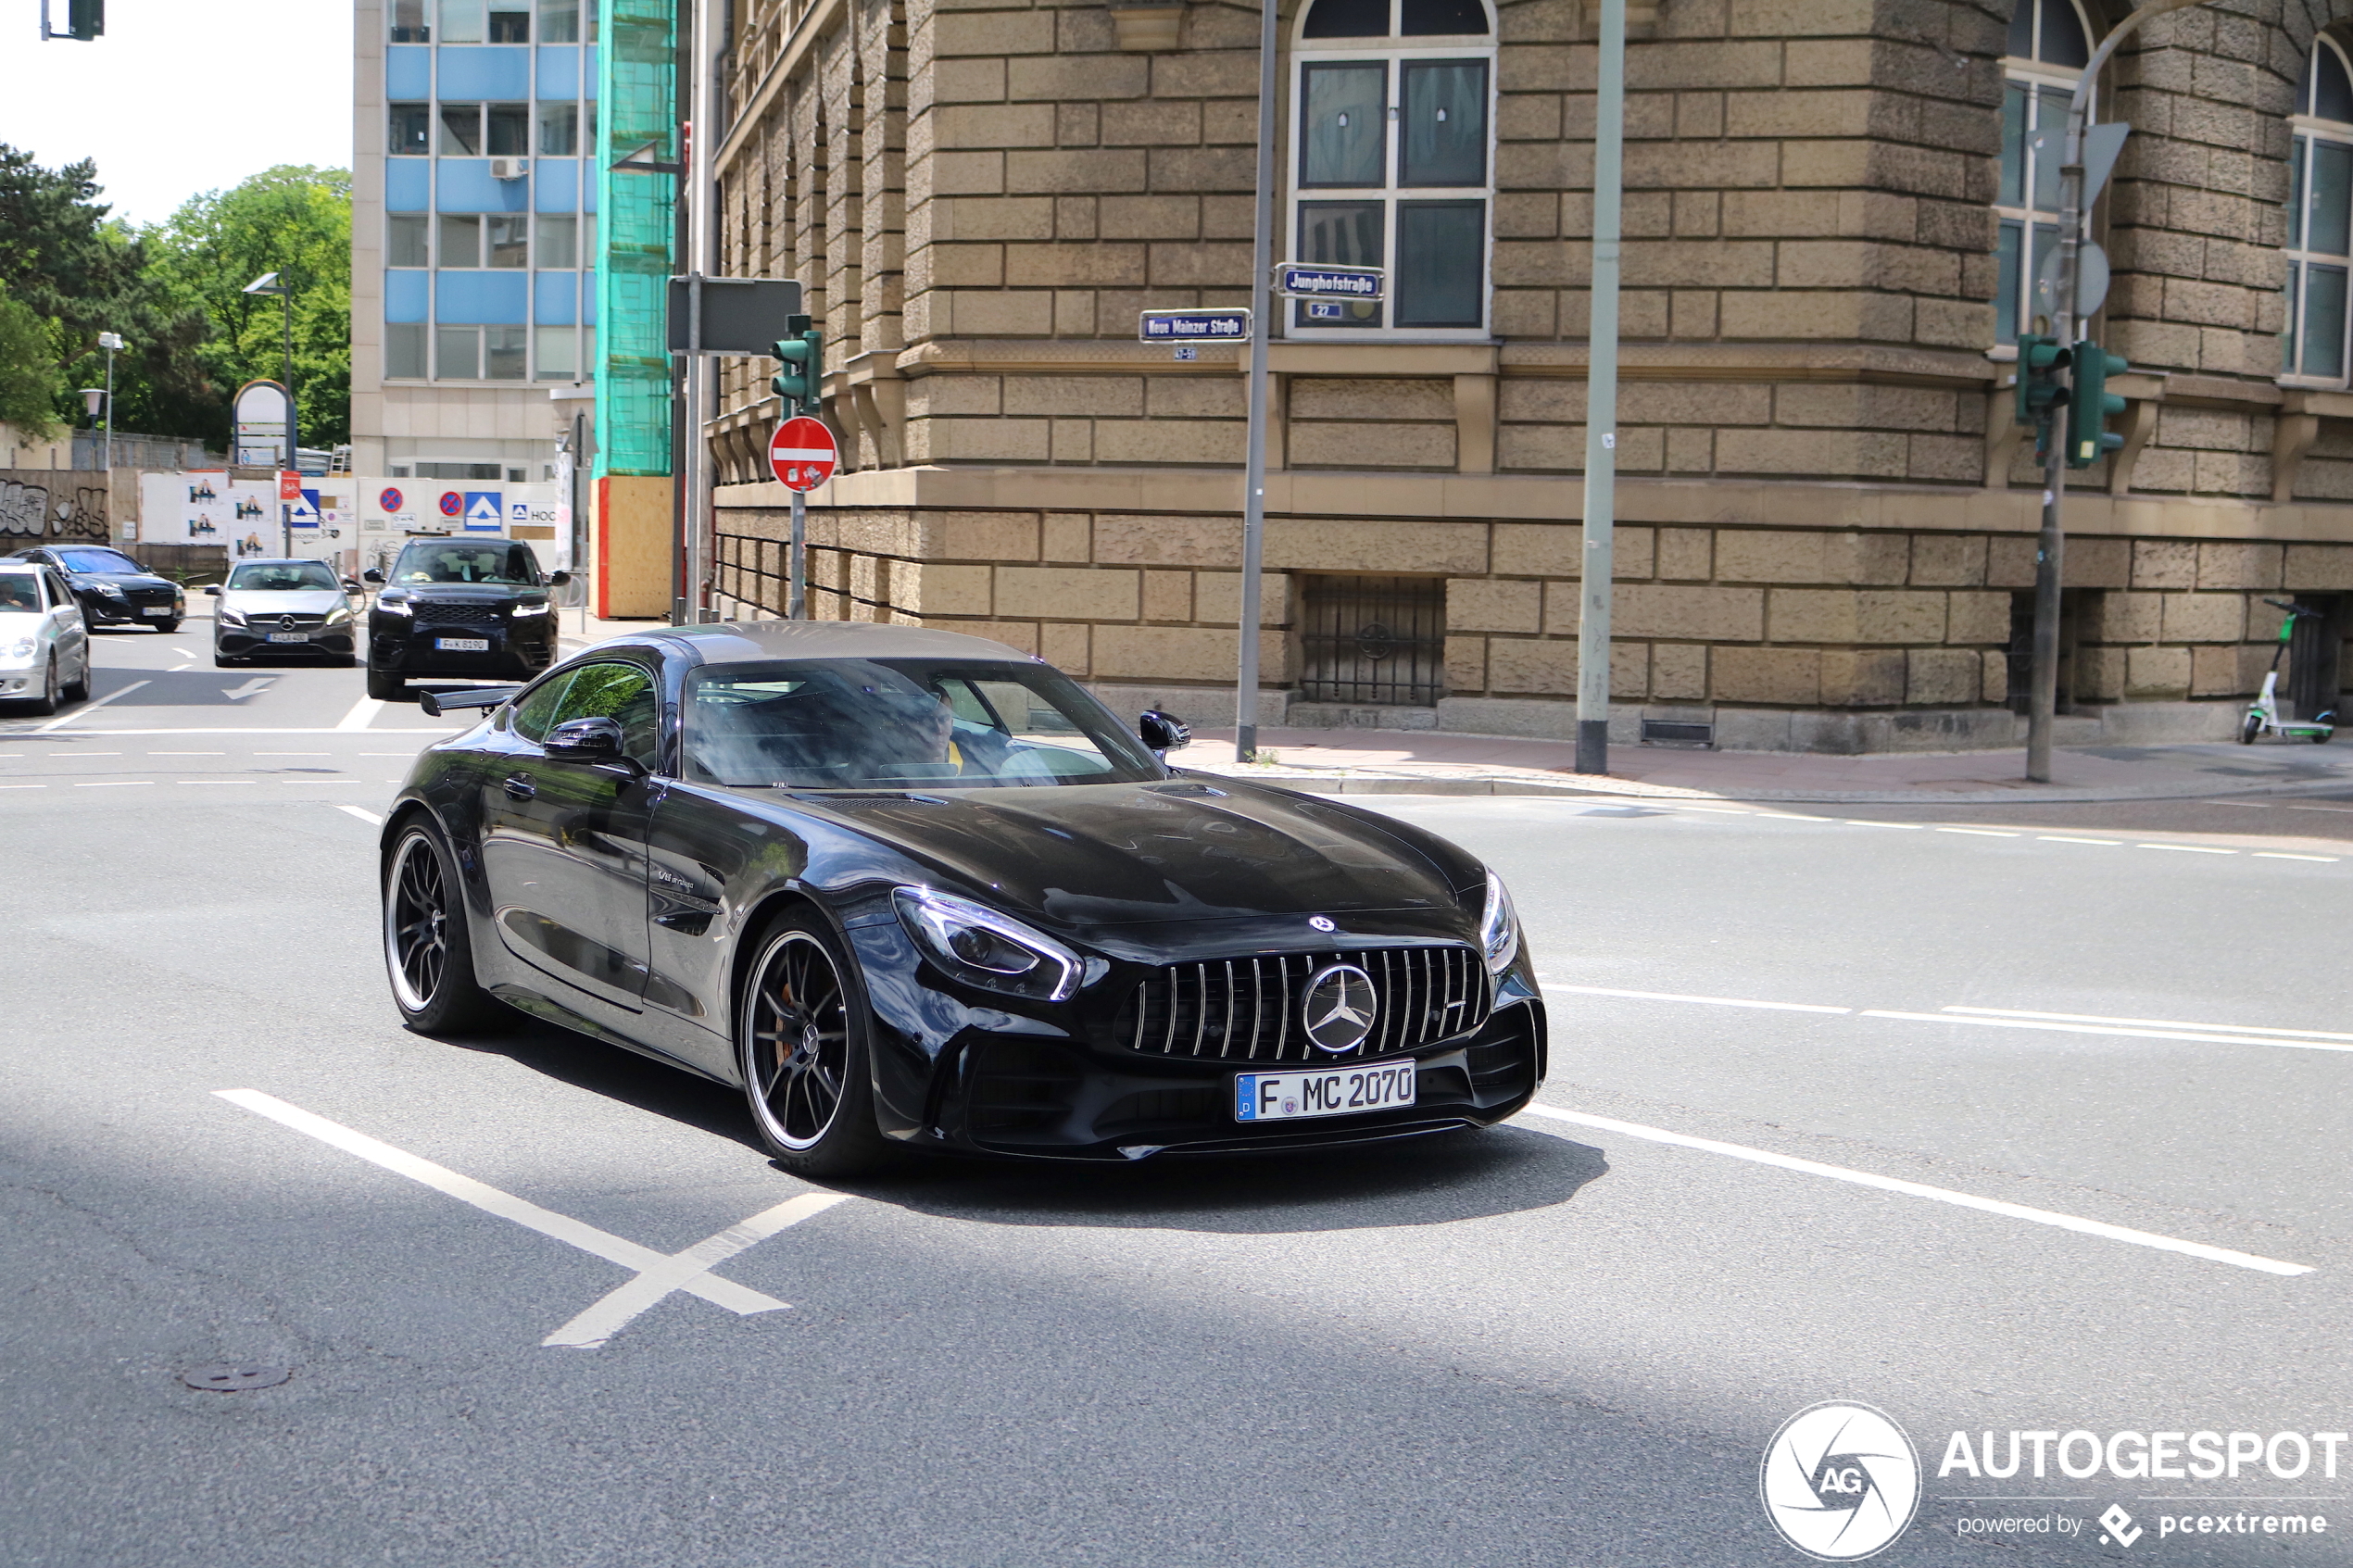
x,y
338,616
394,607
23,648
1499,927
112,590
230,617
523,610
982,947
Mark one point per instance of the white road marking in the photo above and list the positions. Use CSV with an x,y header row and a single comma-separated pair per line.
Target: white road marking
x,y
259,684
23,786
89,708
187,754
1670,996
605,1318
321,780
294,754
2186,849
2275,855
177,668
1981,832
724,1292
1719,811
216,781
2321,807
2153,1022
85,754
363,713
363,814
1859,823
2058,838
1920,1189
114,784
184,653
2235,1039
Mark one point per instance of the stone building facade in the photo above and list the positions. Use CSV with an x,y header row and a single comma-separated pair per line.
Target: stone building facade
x,y
1827,516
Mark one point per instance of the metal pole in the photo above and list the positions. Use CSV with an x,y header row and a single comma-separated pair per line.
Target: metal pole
x,y
294,435
2051,543
1601,398
699,369
797,566
113,525
1261,327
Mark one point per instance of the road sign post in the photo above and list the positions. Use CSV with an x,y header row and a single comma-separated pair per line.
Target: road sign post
x,y
802,455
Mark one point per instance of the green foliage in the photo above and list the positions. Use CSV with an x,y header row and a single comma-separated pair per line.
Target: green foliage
x,y
30,384
174,292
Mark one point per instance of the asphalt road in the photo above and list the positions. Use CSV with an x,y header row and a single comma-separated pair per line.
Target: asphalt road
x,y
2113,1200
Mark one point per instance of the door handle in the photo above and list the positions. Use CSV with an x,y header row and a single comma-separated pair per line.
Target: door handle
x,y
520,787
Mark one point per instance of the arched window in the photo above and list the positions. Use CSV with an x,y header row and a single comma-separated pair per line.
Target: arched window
x,y
1394,162
2320,213
2050,44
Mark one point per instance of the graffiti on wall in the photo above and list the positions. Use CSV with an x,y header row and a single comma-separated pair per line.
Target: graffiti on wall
x,y
39,503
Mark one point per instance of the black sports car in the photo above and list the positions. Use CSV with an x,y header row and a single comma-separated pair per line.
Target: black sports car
x,y
460,606
112,588
914,889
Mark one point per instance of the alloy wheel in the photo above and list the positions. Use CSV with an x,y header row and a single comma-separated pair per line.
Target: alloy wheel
x,y
799,1055
416,921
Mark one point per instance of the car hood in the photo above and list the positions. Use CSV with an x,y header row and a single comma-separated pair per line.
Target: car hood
x,y
266,602
465,593
123,578
1096,855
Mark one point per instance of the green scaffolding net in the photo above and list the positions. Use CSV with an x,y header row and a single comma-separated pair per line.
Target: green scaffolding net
x,y
637,119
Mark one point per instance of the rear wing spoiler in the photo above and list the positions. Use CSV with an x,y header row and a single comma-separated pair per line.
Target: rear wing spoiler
x,y
434,704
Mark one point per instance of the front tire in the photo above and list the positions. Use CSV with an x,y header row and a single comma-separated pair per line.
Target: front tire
x,y
802,1039
46,703
383,687
2250,728
167,625
78,689
428,950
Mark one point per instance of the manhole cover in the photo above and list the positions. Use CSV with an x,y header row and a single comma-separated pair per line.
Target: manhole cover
x,y
235,1377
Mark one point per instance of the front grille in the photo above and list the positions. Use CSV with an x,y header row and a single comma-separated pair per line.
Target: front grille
x,y
1249,1009
273,622
456,615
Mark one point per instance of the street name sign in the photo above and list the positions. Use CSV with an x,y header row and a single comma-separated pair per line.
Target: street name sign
x,y
1301,281
803,453
1194,326
739,315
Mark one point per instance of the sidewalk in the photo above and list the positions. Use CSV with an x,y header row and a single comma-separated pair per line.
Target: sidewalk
x,y
1416,762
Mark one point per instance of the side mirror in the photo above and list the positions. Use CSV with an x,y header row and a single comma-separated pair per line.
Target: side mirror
x,y
595,739
214,590
351,585
372,575
559,579
1163,733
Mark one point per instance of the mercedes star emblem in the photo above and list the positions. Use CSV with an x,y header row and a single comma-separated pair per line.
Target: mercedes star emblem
x,y
1321,923
1340,1008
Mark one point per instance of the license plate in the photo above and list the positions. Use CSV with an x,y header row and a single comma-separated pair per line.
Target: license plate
x,y
1337,1091
289,636
462,645
157,609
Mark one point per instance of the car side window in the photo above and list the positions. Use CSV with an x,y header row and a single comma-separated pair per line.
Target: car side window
x,y
623,692
532,716
59,595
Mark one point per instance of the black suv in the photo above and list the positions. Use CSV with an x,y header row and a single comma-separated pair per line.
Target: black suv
x,y
460,606
112,588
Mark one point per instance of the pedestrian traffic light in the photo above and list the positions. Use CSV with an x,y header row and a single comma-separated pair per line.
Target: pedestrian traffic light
x,y
2040,360
2090,405
803,353
85,19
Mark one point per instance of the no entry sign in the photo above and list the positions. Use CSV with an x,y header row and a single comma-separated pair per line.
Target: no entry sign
x,y
803,453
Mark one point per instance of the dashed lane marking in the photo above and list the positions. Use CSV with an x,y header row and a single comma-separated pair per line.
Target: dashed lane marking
x,y
1707,1001
363,814
1921,1189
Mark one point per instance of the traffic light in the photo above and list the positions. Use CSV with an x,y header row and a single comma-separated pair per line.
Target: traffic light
x,y
2040,360
803,353
2090,405
85,19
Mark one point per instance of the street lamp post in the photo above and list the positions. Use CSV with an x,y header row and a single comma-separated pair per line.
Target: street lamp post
x,y
269,283
2043,684
109,341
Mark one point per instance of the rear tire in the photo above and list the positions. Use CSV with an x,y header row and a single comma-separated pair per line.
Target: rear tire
x,y
2250,728
428,949
383,687
801,1042
167,625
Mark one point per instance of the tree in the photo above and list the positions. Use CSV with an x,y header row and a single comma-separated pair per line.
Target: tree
x,y
295,222
30,384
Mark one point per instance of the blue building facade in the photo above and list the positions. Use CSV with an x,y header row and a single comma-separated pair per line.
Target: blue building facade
x,y
474,231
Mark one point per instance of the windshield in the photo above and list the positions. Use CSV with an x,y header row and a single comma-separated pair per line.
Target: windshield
x,y
902,723
282,576
97,560
458,561
18,592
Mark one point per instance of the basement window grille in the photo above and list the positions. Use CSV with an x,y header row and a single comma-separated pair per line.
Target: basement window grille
x,y
1378,640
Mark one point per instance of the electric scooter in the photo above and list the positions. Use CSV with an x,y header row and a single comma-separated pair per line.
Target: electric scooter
x,y
2263,714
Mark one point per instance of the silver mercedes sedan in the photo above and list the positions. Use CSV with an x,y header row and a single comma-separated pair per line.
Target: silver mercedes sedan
x,y
272,607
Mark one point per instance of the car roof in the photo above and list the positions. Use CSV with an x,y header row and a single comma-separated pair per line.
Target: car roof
x,y
741,642
275,560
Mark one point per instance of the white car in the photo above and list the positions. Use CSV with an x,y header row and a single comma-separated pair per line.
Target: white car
x,y
45,647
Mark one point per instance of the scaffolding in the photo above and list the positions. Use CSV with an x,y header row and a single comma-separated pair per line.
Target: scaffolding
x,y
637,121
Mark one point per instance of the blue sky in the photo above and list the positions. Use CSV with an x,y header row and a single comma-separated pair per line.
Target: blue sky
x,y
181,96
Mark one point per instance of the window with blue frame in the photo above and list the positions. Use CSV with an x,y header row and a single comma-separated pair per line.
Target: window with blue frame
x,y
2049,46
2320,219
